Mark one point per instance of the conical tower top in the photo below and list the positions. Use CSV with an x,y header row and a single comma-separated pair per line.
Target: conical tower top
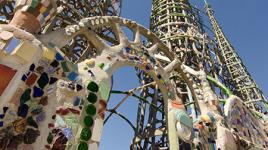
x,y
208,6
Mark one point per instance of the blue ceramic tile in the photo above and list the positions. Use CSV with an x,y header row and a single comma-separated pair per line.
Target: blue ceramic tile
x,y
23,110
76,101
37,92
32,67
128,49
24,78
58,57
72,76
12,45
41,117
68,133
2,116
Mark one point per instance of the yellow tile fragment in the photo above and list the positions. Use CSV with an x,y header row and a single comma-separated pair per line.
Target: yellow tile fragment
x,y
90,62
48,54
2,45
25,51
43,9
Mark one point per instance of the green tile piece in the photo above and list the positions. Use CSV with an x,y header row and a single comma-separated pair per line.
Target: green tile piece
x,y
49,138
183,118
25,96
101,65
91,110
85,134
65,67
34,3
71,121
88,121
92,98
43,80
93,87
105,87
31,122
82,146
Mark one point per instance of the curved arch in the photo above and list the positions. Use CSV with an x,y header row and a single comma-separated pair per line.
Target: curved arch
x,y
118,53
120,58
96,75
156,45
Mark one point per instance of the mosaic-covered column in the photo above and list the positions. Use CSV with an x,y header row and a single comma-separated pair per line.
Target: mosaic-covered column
x,y
26,79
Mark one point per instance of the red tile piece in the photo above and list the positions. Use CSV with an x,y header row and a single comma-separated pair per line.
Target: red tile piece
x,y
6,75
31,79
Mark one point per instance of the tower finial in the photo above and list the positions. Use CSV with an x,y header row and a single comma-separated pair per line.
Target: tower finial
x,y
207,5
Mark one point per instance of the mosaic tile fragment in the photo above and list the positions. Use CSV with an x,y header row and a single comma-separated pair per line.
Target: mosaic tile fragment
x,y
85,134
93,87
91,110
43,80
92,98
6,76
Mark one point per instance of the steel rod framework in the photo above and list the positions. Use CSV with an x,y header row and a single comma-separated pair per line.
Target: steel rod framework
x,y
246,87
63,69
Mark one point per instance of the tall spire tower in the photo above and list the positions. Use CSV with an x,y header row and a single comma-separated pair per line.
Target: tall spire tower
x,y
245,86
178,26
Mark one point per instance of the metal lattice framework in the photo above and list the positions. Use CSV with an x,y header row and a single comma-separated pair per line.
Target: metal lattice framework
x,y
178,26
72,11
188,82
246,87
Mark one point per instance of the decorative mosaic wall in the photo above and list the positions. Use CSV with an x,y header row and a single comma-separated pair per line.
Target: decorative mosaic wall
x,y
48,102
244,123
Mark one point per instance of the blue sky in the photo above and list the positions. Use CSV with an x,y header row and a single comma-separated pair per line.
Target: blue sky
x,y
245,24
